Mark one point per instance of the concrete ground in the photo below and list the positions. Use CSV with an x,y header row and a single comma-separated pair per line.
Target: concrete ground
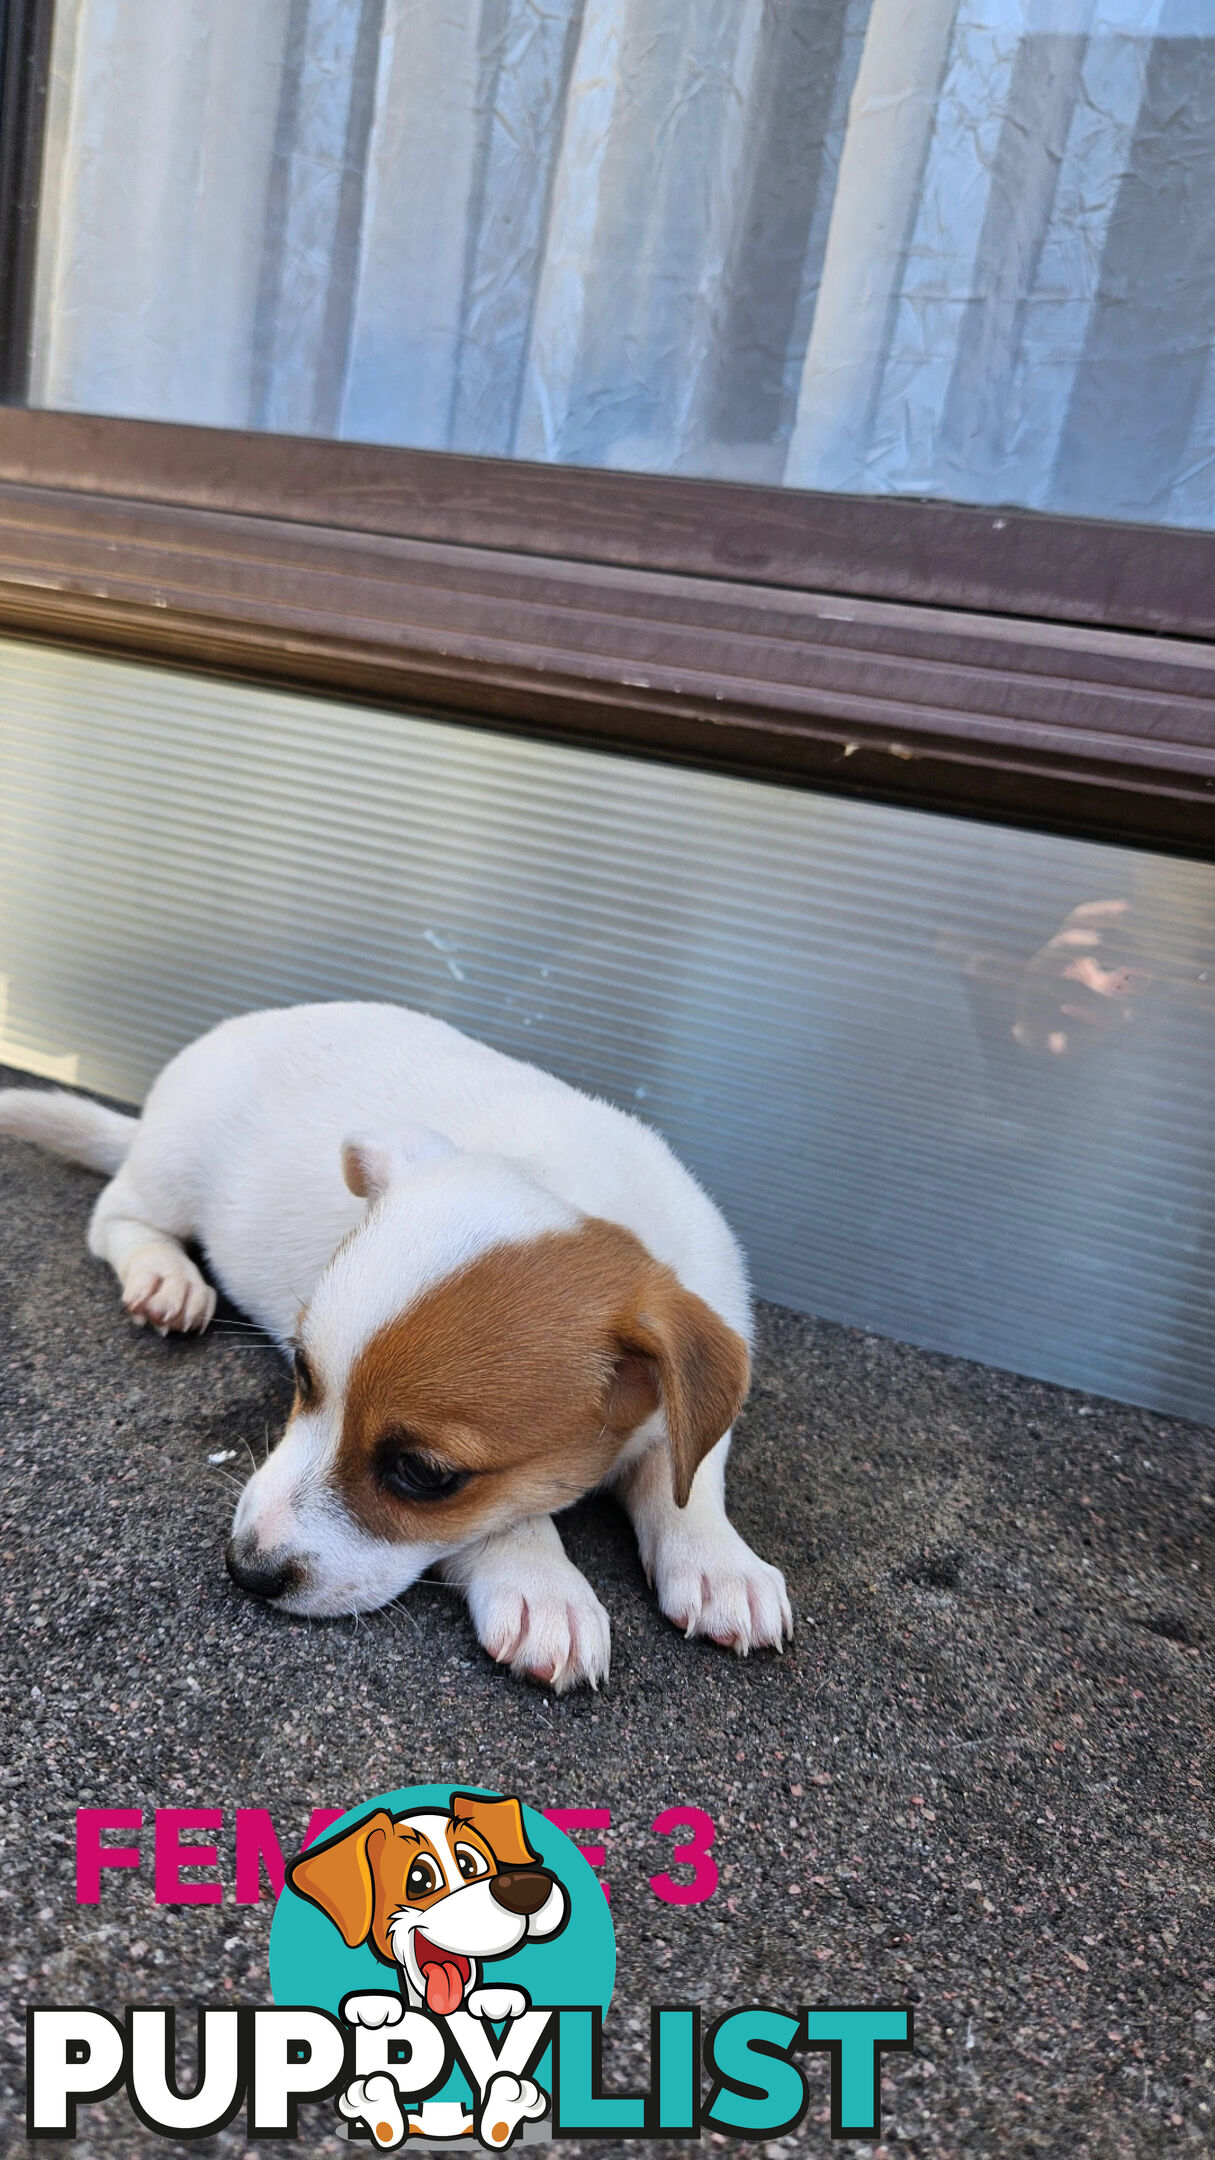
x,y
980,1781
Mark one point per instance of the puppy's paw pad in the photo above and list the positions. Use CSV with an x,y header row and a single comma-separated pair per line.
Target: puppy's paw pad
x,y
508,2102
373,2010
558,1633
719,1589
375,2101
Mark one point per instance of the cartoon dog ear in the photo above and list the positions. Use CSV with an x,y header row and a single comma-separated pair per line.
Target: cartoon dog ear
x,y
339,1876
675,1350
371,1162
500,1823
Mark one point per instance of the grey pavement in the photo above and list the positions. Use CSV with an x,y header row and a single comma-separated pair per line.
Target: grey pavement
x,y
979,1781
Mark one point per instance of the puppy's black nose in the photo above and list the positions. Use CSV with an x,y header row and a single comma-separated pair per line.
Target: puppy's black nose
x,y
261,1576
521,1891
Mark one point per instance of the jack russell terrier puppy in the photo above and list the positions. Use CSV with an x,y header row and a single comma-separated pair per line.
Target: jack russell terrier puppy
x,y
436,1893
498,1293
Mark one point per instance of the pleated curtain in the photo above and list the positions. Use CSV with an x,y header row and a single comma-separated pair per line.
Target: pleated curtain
x,y
958,248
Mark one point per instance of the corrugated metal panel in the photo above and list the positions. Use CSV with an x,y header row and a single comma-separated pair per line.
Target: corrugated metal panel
x,y
844,1016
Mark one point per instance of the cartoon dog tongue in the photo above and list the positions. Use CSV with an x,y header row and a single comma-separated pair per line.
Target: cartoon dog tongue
x,y
444,1988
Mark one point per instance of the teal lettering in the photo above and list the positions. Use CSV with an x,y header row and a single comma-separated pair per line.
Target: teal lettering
x,y
756,2087
856,2040
675,2071
578,2104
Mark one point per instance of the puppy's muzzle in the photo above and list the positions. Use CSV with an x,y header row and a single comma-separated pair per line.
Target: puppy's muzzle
x,y
521,1890
263,1575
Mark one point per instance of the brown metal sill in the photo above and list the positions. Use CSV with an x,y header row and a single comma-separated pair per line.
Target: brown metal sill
x,y
871,647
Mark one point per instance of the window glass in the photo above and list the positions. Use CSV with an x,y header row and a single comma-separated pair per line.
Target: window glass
x,y
962,248
950,1082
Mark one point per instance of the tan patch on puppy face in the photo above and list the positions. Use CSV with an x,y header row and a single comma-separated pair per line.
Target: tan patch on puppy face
x,y
525,1373
377,1869
496,1825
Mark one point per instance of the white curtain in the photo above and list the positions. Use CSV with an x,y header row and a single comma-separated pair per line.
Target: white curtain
x,y
962,248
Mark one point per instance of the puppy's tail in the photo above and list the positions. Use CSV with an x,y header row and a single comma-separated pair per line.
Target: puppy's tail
x,y
68,1125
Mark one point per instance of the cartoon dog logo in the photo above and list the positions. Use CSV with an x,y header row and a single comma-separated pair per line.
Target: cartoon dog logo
x,y
437,1893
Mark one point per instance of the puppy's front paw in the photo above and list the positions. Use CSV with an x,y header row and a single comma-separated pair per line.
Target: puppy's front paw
x,y
508,2102
553,1629
168,1294
717,1587
373,2010
496,2003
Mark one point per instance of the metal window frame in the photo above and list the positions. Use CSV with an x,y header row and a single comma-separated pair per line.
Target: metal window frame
x,y
25,60
1051,671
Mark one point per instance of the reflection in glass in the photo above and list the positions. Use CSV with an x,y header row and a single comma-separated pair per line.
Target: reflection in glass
x,y
950,1082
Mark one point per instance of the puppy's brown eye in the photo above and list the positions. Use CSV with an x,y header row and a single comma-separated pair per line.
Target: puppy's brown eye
x,y
471,1863
423,1877
412,1475
304,1385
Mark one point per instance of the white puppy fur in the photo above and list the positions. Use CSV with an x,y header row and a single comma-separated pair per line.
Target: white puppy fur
x,y
468,1921
336,1163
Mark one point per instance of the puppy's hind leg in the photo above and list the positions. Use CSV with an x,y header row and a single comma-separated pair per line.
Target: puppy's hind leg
x,y
161,1287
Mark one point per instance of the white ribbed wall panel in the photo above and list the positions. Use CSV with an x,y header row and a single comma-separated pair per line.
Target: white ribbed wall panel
x,y
813,998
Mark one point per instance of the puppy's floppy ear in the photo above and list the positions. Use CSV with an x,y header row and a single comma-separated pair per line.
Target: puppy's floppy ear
x,y
371,1162
500,1823
339,1876
675,1350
